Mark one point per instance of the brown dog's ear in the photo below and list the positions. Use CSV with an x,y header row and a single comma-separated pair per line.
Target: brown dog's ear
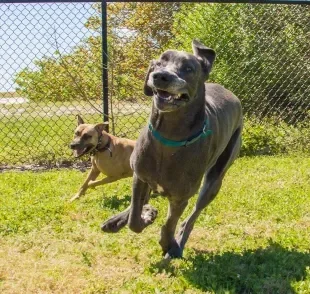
x,y
205,55
80,121
102,127
147,89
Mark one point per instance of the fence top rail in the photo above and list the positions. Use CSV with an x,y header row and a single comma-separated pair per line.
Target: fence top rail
x,y
188,1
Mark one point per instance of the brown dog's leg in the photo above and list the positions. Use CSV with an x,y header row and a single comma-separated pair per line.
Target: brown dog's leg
x,y
106,180
92,175
167,240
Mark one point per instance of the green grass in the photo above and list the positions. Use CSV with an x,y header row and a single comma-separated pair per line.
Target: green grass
x,y
254,237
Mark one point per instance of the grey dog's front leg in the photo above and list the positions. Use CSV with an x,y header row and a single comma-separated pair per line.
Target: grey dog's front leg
x,y
140,215
167,241
116,222
146,215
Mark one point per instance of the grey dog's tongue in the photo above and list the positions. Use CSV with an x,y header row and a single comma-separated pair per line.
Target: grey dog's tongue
x,y
164,94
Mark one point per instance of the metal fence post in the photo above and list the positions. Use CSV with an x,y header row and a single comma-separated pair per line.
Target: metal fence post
x,y
105,81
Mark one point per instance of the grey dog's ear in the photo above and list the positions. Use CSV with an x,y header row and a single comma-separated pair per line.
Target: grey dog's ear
x,y
102,127
205,55
147,89
80,121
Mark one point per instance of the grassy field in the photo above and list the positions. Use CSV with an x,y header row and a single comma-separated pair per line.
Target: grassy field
x,y
40,133
254,237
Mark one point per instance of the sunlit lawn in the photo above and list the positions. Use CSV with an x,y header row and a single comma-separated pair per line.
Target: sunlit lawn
x,y
254,237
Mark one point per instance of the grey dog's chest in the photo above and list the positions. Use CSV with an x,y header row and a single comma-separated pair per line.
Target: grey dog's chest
x,y
169,171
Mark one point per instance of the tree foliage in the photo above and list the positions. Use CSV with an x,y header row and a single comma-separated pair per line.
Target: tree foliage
x,y
69,77
72,76
138,31
260,48
135,32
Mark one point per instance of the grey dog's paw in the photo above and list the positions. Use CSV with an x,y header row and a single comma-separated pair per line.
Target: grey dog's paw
x,y
148,214
115,223
174,252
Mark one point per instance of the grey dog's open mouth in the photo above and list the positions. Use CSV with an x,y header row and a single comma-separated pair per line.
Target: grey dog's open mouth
x,y
81,151
170,97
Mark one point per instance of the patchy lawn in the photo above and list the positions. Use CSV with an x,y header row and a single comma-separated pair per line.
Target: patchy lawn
x,y
254,237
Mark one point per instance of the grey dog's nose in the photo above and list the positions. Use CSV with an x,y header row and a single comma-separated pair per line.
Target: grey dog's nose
x,y
162,77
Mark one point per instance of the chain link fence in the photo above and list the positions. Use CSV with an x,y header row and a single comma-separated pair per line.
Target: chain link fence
x,y
51,70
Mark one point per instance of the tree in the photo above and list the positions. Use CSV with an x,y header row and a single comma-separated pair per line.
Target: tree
x,y
262,52
138,32
57,79
146,26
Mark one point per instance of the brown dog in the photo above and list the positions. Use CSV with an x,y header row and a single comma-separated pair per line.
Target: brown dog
x,y
110,154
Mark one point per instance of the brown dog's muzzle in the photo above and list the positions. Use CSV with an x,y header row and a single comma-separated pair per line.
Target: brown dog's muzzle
x,y
74,145
80,149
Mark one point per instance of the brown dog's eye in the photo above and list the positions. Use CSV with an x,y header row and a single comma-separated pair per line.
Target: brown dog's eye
x,y
85,137
77,134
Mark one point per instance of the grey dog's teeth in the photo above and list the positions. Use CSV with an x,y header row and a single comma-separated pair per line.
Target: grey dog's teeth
x,y
171,97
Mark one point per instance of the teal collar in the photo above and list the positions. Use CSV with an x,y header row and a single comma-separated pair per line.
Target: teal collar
x,y
202,134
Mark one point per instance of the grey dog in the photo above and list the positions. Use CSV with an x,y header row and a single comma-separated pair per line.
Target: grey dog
x,y
194,134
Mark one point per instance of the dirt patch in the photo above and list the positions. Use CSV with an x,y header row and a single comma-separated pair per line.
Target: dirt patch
x,y
81,166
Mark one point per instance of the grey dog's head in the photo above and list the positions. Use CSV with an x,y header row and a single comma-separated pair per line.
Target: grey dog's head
x,y
86,137
173,80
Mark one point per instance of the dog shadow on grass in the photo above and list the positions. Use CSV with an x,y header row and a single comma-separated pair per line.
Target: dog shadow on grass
x,y
115,202
268,270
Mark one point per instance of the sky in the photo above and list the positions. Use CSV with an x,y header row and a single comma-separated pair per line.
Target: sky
x,y
27,33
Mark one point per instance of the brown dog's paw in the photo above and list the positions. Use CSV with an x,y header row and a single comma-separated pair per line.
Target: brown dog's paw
x,y
148,214
77,196
92,184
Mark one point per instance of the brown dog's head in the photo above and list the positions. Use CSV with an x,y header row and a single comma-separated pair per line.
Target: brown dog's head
x,y
173,80
86,137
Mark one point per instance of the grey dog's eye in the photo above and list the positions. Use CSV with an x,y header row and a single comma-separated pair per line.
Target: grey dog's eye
x,y
189,69
158,63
